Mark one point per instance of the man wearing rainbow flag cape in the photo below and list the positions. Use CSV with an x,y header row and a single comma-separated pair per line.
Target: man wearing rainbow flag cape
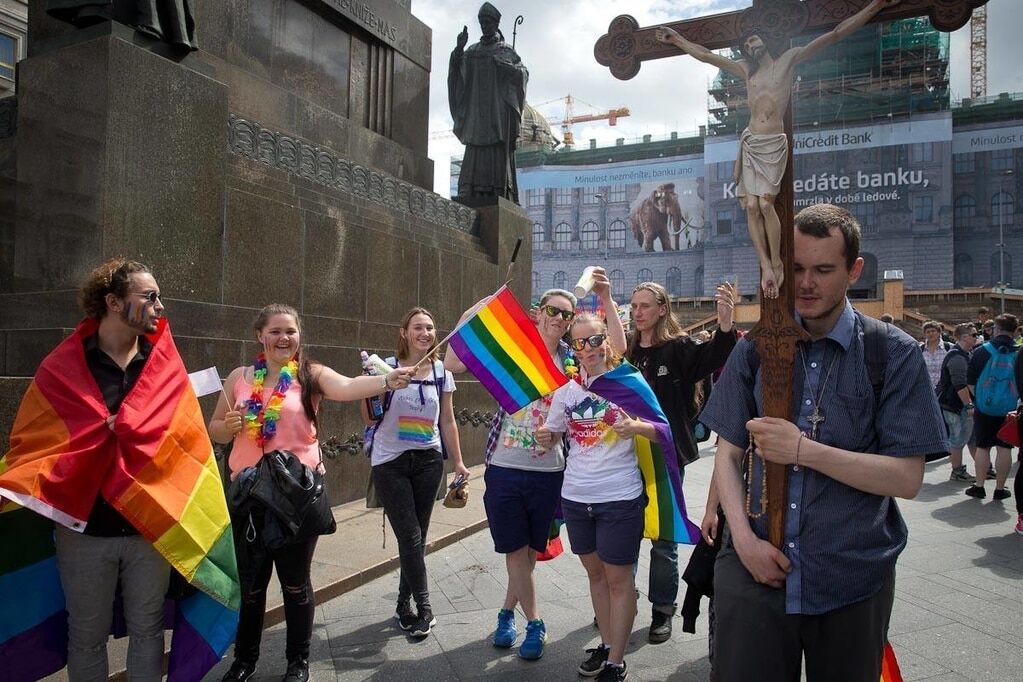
x,y
109,447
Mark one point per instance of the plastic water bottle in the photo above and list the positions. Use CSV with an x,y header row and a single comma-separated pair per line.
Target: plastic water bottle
x,y
374,404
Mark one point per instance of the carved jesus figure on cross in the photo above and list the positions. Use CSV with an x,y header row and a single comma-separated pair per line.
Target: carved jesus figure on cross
x,y
764,145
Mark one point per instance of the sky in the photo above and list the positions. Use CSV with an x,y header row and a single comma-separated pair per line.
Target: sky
x,y
556,41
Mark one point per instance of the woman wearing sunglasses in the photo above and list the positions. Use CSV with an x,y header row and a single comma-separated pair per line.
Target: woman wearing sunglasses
x,y
602,495
524,479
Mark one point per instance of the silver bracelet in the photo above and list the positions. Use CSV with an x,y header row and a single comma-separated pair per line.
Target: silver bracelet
x,y
385,385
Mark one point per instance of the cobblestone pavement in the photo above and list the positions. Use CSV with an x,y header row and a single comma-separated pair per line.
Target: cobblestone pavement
x,y
958,611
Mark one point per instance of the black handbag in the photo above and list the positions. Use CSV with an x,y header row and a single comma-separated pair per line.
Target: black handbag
x,y
319,517
280,501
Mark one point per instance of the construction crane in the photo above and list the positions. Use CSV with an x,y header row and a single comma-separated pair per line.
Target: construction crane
x,y
610,115
978,52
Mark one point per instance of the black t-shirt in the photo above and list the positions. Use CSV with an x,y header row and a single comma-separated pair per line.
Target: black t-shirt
x,y
673,370
114,383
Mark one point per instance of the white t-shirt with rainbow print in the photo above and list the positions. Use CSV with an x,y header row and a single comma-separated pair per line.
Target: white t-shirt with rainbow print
x,y
411,420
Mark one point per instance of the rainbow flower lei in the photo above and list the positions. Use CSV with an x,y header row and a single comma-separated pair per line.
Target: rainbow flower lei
x,y
261,420
571,369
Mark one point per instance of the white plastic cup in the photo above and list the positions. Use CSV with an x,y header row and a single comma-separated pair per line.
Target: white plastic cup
x,y
585,283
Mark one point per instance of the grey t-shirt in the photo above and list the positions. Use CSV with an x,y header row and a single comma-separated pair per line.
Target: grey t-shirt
x,y
516,446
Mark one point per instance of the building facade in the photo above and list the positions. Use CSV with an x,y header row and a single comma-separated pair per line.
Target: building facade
x,y
936,187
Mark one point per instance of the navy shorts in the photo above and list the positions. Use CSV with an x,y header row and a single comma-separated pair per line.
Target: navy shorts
x,y
611,529
985,430
520,506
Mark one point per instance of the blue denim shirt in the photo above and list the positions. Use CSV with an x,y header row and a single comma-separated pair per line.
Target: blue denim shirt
x,y
842,542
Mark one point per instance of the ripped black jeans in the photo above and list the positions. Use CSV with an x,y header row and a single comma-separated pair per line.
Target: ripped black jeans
x,y
294,564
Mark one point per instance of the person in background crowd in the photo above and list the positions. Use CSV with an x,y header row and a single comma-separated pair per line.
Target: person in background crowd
x,y
934,350
955,399
994,395
281,372
984,321
675,365
1017,482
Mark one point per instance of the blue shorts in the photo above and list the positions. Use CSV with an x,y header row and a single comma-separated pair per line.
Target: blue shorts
x,y
520,506
611,529
960,428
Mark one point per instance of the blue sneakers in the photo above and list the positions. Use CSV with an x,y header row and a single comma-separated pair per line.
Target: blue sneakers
x,y
533,644
505,634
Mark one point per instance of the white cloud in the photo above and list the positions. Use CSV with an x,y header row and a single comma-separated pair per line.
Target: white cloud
x,y
556,41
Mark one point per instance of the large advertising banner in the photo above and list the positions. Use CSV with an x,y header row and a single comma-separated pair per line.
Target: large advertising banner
x,y
660,202
893,177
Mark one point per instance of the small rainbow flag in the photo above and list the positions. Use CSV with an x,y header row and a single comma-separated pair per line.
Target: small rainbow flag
x,y
504,351
156,467
666,517
415,429
890,671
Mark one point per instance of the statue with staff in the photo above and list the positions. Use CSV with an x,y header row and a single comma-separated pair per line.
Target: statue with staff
x,y
763,145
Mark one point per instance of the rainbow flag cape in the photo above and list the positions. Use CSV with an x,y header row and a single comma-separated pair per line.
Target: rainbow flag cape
x,y
890,671
504,351
666,517
156,467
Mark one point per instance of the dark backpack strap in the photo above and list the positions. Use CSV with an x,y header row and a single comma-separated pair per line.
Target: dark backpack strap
x,y
875,352
439,385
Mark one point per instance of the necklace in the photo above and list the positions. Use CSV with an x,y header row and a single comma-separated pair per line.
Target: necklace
x,y
816,418
260,419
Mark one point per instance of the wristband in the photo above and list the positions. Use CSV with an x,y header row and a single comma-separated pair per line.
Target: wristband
x,y
385,385
968,406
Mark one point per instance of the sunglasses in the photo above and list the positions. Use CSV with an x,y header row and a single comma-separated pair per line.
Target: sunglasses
x,y
151,296
566,315
595,341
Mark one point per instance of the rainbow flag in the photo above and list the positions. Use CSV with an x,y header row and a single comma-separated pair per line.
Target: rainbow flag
x,y
666,517
890,671
155,466
504,351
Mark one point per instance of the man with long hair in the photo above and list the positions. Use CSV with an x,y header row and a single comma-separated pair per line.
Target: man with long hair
x,y
674,365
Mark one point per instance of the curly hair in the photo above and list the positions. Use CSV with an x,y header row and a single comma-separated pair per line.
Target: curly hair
x,y
113,277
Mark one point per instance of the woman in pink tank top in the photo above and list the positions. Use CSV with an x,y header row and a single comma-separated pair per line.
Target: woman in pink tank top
x,y
275,403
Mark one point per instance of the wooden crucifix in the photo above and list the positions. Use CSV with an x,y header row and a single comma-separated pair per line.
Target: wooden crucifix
x,y
764,168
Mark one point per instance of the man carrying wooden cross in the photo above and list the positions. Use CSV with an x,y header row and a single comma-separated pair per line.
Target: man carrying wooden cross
x,y
864,420
763,146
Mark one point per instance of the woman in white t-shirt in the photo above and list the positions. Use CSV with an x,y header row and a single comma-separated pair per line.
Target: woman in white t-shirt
x,y
417,426
602,496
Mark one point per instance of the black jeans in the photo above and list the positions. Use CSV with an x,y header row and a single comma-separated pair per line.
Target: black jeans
x,y
407,487
755,639
293,564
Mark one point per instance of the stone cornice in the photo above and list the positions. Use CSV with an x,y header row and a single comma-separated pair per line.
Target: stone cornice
x,y
322,166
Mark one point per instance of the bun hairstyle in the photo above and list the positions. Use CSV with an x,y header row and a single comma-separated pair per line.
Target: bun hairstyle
x,y
306,378
611,358
112,277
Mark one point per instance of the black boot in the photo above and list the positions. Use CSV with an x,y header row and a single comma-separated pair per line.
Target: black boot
x,y
298,671
660,627
240,671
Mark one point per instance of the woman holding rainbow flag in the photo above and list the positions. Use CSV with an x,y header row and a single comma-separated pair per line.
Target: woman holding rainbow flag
x,y
608,503
275,404
409,444
523,480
